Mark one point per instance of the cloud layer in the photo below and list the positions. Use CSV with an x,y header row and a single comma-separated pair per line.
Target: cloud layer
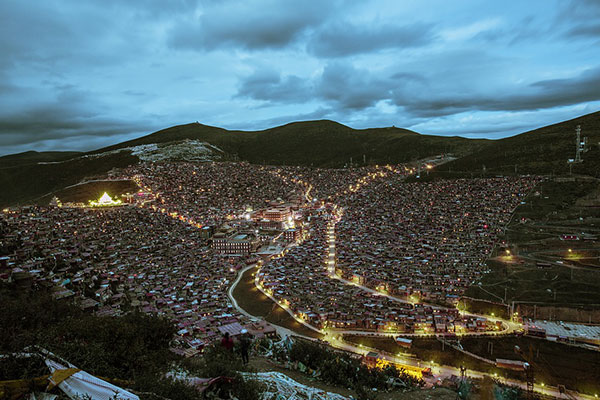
x,y
80,75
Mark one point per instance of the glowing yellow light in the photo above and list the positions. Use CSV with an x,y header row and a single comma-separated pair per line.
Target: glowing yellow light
x,y
105,200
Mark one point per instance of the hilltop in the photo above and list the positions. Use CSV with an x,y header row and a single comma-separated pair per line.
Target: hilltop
x,y
319,143
35,157
25,183
322,143
314,143
540,151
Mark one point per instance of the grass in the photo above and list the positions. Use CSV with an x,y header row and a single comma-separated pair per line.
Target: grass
x,y
317,143
526,283
554,363
426,349
312,143
324,144
22,184
254,302
541,151
33,157
91,191
554,208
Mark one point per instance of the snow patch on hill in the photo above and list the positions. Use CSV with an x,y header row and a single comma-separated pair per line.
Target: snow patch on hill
x,y
185,150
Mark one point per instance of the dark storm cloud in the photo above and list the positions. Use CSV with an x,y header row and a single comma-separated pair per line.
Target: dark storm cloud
x,y
340,84
350,88
53,121
538,95
104,70
249,25
581,19
345,87
268,85
344,39
70,112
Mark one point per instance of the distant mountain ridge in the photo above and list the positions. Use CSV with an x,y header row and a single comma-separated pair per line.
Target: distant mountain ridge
x,y
321,143
544,150
34,157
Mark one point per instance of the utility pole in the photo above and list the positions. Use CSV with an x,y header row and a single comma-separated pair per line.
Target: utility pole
x,y
578,144
463,387
529,375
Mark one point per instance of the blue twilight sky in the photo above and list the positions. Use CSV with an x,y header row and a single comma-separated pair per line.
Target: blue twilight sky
x,y
81,74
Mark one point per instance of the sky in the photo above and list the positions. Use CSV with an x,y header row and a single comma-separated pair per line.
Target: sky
x,y
83,74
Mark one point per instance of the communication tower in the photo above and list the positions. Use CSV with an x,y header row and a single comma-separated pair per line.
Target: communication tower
x,y
580,145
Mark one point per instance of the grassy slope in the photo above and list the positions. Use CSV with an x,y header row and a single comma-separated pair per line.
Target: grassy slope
x,y
256,303
22,184
33,157
326,144
555,212
318,143
541,151
90,191
555,363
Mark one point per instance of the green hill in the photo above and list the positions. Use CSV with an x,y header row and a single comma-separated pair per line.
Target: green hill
x,y
323,143
540,151
34,157
319,143
23,184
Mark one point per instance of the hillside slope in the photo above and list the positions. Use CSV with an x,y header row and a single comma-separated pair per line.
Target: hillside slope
x,y
25,183
321,143
34,157
540,151
317,143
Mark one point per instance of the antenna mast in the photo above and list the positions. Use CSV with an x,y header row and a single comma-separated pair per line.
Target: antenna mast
x,y
578,144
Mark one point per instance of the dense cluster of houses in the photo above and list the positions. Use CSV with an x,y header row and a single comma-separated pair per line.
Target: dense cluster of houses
x,y
427,241
419,242
210,194
112,261
174,248
150,254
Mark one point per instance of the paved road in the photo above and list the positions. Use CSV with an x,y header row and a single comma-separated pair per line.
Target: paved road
x,y
232,298
281,330
443,371
509,326
439,371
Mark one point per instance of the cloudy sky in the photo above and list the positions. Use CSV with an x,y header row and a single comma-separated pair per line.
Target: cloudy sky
x,y
78,75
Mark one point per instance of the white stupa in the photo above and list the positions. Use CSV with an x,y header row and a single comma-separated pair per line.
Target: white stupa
x,y
105,201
